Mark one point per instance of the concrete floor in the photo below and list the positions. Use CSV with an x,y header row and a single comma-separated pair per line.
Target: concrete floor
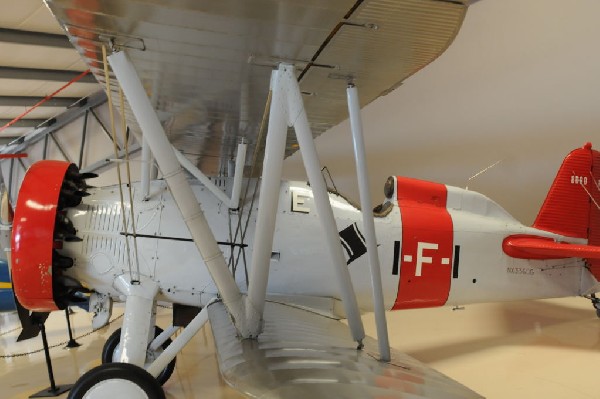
x,y
528,349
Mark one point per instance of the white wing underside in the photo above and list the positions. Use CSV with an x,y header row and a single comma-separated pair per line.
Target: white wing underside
x,y
206,65
302,354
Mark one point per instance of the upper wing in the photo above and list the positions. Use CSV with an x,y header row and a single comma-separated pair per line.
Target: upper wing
x,y
206,64
302,354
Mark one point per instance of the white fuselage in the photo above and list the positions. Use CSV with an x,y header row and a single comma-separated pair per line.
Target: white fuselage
x,y
419,276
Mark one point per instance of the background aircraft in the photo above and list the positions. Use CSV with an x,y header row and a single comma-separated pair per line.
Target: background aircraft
x,y
8,302
7,297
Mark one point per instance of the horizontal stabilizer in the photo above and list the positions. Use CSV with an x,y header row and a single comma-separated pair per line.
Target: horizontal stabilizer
x,y
535,247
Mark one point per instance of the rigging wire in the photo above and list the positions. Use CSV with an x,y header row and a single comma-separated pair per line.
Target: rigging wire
x,y
231,249
114,140
239,230
586,190
128,168
591,197
596,182
324,170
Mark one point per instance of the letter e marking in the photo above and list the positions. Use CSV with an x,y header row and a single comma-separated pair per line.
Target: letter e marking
x,y
298,203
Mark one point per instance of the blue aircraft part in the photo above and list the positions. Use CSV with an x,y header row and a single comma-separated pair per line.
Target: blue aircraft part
x,y
7,296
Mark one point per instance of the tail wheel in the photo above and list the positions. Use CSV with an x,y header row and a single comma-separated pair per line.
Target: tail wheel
x,y
112,345
117,380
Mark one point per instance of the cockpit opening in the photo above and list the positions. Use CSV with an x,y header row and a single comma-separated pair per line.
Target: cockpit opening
x,y
389,188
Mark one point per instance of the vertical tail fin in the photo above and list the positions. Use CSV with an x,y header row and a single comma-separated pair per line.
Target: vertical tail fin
x,y
594,224
568,205
572,206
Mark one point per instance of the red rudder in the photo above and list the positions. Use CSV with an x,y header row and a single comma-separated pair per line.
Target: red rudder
x,y
572,206
567,207
594,223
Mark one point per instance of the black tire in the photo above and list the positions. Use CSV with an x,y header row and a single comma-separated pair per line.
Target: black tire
x,y
117,371
113,341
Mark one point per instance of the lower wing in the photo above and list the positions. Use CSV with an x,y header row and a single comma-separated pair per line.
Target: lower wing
x,y
302,354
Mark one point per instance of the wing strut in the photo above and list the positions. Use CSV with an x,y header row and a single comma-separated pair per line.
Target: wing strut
x,y
287,109
238,176
202,178
182,193
234,201
368,223
146,169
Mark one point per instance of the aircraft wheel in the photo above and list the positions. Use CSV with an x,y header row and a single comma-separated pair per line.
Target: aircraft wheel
x,y
116,380
598,313
112,344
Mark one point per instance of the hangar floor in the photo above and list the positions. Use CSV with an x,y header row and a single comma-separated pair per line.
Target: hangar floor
x,y
529,349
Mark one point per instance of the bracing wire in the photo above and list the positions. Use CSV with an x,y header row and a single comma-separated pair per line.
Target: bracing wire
x,y
596,182
582,184
128,168
590,195
231,248
114,140
239,229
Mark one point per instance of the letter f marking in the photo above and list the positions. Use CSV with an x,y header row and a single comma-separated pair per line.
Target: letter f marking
x,y
421,246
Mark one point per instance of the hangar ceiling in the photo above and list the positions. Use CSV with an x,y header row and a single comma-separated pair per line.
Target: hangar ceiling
x,y
37,60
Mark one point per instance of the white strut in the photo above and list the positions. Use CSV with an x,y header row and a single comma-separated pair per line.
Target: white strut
x,y
178,185
368,223
287,109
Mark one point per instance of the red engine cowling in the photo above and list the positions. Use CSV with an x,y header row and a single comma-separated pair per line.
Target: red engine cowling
x,y
40,226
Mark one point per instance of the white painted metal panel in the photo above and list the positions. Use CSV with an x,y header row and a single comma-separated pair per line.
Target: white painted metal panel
x,y
305,355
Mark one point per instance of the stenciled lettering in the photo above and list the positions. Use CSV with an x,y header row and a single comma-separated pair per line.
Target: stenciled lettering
x,y
520,270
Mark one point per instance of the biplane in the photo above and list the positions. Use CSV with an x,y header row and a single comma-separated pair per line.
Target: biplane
x,y
227,90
